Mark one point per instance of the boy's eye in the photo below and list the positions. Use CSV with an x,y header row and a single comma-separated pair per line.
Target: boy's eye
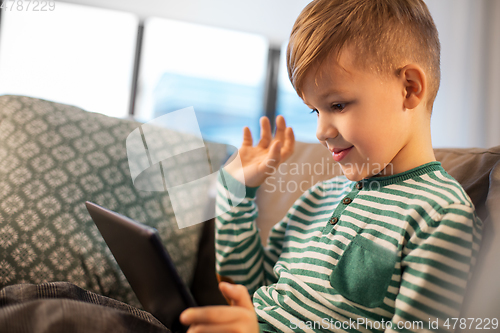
x,y
335,107
338,106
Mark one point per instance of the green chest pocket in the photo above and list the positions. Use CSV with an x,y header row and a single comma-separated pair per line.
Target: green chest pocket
x,y
364,272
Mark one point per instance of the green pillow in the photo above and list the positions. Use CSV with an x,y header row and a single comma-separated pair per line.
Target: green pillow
x,y
53,158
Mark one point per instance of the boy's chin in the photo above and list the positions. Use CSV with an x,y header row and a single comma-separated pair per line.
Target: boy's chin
x,y
351,174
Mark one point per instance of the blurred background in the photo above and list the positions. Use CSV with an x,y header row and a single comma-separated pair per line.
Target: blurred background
x,y
225,58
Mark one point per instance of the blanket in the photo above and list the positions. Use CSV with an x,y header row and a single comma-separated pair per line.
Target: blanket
x,y
63,307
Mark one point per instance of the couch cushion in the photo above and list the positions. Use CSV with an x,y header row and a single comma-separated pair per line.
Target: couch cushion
x,y
54,157
471,167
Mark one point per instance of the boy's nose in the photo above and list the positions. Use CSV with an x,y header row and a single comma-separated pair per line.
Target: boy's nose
x,y
325,129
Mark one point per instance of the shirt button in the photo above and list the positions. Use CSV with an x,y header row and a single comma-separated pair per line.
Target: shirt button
x,y
347,201
334,220
359,186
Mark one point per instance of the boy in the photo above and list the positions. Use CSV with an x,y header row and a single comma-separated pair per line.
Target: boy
x,y
390,245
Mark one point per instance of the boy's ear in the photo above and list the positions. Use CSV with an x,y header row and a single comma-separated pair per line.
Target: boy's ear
x,y
415,85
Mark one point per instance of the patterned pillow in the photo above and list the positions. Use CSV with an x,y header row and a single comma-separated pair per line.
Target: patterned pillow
x,y
54,157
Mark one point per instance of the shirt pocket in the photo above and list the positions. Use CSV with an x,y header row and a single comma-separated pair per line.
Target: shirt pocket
x,y
364,271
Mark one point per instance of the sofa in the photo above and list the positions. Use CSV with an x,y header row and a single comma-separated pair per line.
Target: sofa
x,y
54,157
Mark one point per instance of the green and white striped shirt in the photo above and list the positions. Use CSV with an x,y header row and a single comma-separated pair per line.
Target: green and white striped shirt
x,y
387,254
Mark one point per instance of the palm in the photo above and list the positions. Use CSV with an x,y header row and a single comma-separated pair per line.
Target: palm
x,y
258,162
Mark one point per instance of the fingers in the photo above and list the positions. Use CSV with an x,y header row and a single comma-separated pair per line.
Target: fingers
x,y
280,128
213,328
283,134
238,295
210,315
240,317
265,132
289,144
247,137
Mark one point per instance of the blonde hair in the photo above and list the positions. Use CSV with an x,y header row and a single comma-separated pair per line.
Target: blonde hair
x,y
384,34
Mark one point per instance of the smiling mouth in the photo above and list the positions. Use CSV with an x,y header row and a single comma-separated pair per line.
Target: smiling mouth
x,y
338,150
340,154
341,150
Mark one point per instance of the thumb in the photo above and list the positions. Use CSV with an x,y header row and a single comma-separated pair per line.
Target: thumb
x,y
237,294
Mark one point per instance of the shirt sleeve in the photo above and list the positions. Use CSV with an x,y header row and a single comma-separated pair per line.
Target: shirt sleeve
x,y
437,263
240,254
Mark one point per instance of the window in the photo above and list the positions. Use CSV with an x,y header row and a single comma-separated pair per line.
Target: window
x,y
74,54
292,108
219,72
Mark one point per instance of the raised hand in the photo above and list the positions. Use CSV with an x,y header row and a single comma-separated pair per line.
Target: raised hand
x,y
258,162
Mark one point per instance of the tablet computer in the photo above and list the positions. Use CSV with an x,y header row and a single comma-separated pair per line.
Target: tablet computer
x,y
146,264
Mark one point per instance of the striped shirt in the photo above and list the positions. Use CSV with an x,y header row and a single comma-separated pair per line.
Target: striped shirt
x,y
389,254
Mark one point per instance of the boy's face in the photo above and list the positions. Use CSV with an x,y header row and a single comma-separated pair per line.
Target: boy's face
x,y
359,109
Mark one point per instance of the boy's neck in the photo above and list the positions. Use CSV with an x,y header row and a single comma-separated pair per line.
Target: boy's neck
x,y
416,152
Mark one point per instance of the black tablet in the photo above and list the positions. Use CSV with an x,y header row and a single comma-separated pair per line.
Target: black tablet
x,y
146,264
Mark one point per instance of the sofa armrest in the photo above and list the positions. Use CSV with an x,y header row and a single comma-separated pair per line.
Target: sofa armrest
x,y
483,296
